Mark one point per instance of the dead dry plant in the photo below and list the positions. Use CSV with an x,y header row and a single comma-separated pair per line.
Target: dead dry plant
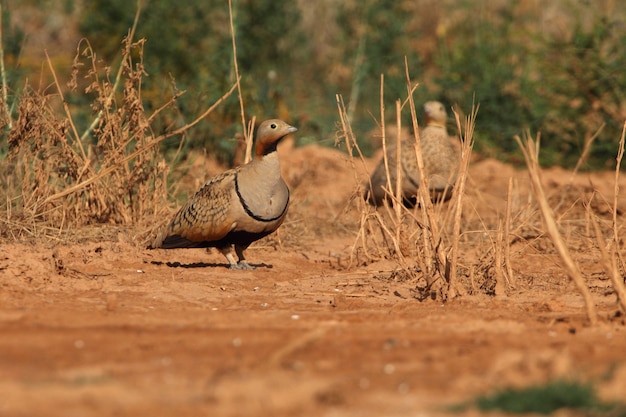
x,y
611,254
113,173
530,149
420,238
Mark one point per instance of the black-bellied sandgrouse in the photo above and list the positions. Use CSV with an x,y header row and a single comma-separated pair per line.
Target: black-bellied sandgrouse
x,y
237,207
441,156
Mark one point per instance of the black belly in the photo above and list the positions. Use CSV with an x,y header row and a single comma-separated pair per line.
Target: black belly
x,y
240,238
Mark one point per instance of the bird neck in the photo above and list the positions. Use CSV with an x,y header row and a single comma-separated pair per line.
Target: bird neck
x,y
435,123
268,163
264,149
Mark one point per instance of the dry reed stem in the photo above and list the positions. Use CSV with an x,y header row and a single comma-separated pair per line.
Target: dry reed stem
x,y
383,131
396,194
530,149
609,260
3,74
585,153
247,130
432,236
351,146
398,206
467,141
249,138
620,156
139,151
66,107
500,289
507,240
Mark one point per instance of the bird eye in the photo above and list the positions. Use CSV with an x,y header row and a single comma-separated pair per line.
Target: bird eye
x,y
273,125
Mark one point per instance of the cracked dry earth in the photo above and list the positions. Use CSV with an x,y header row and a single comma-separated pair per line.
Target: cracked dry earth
x,y
104,327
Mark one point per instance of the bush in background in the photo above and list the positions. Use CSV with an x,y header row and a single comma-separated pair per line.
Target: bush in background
x,y
554,68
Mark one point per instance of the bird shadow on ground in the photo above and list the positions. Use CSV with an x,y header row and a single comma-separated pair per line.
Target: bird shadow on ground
x,y
177,264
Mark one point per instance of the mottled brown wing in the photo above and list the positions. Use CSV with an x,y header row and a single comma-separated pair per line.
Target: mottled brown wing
x,y
378,179
441,159
206,217
409,166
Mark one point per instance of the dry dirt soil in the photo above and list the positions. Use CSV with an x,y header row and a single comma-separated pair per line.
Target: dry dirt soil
x,y
103,327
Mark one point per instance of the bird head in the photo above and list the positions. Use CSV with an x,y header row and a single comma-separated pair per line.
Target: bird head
x,y
269,134
435,114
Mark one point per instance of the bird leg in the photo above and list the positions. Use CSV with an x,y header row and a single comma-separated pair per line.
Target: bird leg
x,y
227,251
242,264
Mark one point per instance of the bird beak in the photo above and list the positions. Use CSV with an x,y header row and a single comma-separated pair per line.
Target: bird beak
x,y
292,129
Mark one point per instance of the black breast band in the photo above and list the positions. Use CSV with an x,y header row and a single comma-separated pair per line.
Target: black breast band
x,y
250,213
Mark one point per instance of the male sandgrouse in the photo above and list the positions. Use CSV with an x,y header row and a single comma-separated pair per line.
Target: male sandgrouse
x,y
237,207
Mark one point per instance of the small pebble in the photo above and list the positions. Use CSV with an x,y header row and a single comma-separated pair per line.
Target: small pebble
x,y
403,388
389,369
111,301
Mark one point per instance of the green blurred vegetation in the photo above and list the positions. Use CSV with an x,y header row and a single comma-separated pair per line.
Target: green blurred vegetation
x,y
562,82
548,398
552,68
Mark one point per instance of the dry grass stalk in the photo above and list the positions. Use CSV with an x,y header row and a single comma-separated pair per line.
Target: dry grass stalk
x,y
249,138
398,206
507,240
248,129
609,260
530,149
617,280
467,140
500,288
365,227
374,245
620,156
586,150
438,274
6,119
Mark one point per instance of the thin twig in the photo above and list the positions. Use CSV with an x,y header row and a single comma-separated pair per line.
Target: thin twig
x,y
246,131
620,156
399,174
5,87
500,287
66,107
507,231
466,153
585,152
248,135
431,233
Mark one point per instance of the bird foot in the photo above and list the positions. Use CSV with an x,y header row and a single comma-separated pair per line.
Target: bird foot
x,y
242,265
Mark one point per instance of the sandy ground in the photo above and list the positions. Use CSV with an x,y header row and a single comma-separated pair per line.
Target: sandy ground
x,y
103,327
